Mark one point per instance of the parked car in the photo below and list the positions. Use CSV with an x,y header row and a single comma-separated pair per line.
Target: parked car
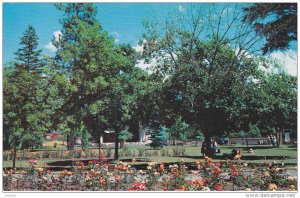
x,y
222,140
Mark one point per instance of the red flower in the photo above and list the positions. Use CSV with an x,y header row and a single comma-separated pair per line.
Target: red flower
x,y
102,157
176,174
218,164
181,188
210,163
92,174
102,181
79,163
162,167
235,174
206,180
138,187
32,161
218,187
216,171
84,173
233,168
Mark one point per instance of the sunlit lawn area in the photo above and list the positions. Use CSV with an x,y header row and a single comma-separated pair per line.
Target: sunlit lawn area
x,y
192,153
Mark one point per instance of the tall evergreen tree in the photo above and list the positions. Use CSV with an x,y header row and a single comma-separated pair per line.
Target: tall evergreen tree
x,y
92,64
23,96
28,55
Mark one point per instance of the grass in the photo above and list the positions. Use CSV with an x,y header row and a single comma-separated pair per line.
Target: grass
x,y
60,144
25,163
192,153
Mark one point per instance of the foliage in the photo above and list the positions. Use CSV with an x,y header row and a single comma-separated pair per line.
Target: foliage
x,y
277,22
92,62
25,115
158,138
125,135
84,135
28,55
178,130
200,78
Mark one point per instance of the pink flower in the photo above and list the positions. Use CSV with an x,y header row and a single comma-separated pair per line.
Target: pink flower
x,y
176,174
138,187
162,167
233,168
117,177
102,181
218,187
235,174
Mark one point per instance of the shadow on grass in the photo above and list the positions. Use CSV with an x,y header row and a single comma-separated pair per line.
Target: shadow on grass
x,y
292,146
255,147
221,157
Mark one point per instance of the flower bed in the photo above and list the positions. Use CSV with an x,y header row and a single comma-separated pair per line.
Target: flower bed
x,y
226,175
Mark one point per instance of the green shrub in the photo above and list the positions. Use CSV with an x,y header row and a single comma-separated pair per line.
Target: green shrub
x,y
165,152
141,152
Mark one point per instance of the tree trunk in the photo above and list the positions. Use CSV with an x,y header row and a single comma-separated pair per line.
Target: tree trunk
x,y
122,143
278,139
15,153
71,140
68,137
117,144
208,151
99,147
82,145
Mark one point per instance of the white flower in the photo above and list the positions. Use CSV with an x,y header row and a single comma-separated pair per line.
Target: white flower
x,y
152,163
205,188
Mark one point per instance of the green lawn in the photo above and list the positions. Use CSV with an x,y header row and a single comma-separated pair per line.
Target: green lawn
x,y
192,153
25,163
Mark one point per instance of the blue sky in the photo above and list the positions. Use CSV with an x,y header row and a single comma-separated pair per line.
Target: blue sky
x,y
121,20
124,21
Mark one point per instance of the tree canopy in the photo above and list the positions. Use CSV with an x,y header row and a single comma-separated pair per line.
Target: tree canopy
x,y
276,22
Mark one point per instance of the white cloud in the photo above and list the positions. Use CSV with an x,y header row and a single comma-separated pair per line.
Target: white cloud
x,y
139,48
57,35
116,35
288,61
145,66
181,8
50,47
